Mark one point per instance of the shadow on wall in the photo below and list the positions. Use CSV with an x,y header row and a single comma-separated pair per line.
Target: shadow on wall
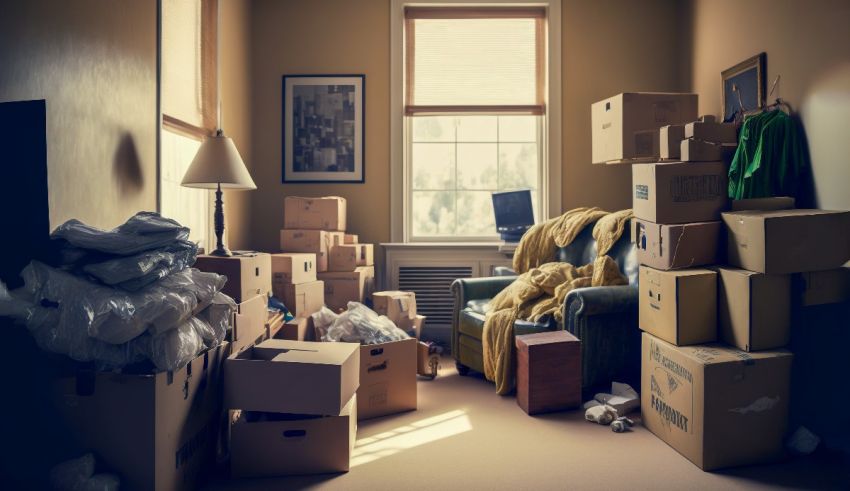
x,y
127,166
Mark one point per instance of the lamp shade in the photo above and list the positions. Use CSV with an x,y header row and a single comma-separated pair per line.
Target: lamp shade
x,y
218,163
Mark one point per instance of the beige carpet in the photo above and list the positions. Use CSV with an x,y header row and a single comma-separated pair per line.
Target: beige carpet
x,y
464,436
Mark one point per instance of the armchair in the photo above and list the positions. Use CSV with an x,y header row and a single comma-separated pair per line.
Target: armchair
x,y
605,318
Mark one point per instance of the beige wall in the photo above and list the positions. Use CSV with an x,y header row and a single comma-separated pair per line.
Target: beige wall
x,y
808,43
94,61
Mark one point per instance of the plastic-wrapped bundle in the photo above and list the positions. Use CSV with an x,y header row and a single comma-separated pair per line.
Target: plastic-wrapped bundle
x,y
133,273
360,324
143,232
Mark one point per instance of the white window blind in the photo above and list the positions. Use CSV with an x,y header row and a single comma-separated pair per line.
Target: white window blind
x,y
481,60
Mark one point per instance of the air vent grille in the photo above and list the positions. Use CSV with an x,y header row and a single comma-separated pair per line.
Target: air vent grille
x,y
432,285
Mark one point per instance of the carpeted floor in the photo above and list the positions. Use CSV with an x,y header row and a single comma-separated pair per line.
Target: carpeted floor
x,y
464,436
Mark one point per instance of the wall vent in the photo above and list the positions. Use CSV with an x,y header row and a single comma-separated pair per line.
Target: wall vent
x,y
432,285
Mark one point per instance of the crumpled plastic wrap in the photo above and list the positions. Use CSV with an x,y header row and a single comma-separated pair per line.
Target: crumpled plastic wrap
x,y
142,232
133,273
358,324
78,475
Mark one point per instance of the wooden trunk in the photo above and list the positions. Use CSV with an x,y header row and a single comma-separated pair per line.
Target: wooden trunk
x,y
548,372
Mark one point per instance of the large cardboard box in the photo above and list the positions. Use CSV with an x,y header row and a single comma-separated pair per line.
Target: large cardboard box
x,y
679,307
712,131
326,213
342,287
822,287
399,306
273,444
387,378
788,241
249,323
293,267
248,274
303,299
691,150
319,242
679,192
626,126
346,257
754,309
297,329
716,405
671,137
157,432
298,377
685,245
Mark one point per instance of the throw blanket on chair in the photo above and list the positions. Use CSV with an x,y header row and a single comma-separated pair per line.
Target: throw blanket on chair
x,y
540,289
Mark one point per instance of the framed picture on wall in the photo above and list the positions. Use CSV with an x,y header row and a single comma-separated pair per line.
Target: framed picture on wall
x,y
323,128
743,87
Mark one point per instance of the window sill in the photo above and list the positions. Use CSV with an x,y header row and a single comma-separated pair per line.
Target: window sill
x,y
494,245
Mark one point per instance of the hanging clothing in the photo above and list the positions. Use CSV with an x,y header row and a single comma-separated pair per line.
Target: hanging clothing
x,y
770,159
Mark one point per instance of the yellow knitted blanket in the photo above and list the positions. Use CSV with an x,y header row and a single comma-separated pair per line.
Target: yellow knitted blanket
x,y
541,289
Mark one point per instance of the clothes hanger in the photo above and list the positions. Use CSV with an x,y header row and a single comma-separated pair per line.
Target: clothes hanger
x,y
779,103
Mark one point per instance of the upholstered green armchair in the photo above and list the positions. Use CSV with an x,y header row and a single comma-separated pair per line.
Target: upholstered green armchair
x,y
603,318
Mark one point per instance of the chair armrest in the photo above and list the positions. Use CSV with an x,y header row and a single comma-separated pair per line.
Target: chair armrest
x,y
595,300
478,288
503,271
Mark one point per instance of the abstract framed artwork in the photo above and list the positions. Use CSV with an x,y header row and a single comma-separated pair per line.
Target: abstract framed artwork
x,y
324,128
743,87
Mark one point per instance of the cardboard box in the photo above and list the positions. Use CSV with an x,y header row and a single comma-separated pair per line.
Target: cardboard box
x,y
426,361
764,204
270,444
418,325
319,242
298,377
387,379
248,274
679,192
296,329
711,131
670,141
680,246
293,267
326,213
303,299
754,309
342,287
249,323
346,257
717,406
788,241
274,324
679,307
626,126
691,150
157,432
399,306
822,287
351,239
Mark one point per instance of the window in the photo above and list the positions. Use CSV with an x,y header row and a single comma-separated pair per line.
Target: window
x,y
474,110
189,112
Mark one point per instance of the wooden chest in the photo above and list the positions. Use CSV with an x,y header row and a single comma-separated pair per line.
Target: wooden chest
x,y
548,372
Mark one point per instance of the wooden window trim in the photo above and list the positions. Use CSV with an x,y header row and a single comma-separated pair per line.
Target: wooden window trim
x,y
183,128
475,12
438,110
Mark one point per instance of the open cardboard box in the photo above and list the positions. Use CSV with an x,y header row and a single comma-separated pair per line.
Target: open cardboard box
x,y
387,378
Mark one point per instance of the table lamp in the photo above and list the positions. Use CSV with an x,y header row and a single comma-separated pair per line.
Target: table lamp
x,y
218,165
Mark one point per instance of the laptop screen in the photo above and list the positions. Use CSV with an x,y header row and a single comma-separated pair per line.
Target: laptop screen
x,y
513,210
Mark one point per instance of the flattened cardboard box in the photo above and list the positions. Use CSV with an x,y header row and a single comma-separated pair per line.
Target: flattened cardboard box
x,y
626,125
671,137
298,377
319,242
679,192
293,267
399,306
387,378
249,323
269,445
679,307
716,405
303,299
788,241
342,287
248,274
327,213
346,257
157,432
685,245
822,287
754,309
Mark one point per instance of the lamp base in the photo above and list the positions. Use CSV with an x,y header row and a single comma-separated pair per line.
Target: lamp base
x,y
221,252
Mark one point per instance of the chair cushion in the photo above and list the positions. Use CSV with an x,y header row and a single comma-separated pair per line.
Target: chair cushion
x,y
471,323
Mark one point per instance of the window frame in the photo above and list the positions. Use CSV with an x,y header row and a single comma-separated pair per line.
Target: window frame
x,y
549,150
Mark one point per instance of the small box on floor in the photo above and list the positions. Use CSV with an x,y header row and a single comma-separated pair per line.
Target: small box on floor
x,y
303,299
625,126
249,323
248,273
293,267
427,359
754,309
327,213
679,246
399,306
787,241
319,242
671,137
387,379
346,257
548,372
342,287
274,444
680,306
716,405
679,192
297,329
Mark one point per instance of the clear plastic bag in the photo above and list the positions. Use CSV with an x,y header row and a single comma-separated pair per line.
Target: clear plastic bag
x,y
322,321
174,348
133,273
362,324
142,232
